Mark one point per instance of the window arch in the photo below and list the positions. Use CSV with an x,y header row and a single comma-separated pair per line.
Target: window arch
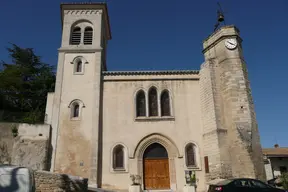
x,y
75,36
140,104
78,63
153,102
76,109
165,103
190,155
118,157
88,36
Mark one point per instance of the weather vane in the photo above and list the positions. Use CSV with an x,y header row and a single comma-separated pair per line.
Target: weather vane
x,y
220,17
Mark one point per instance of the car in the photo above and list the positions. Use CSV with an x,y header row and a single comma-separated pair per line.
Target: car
x,y
241,185
15,178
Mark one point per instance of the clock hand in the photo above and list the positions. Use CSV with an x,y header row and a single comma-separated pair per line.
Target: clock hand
x,y
231,43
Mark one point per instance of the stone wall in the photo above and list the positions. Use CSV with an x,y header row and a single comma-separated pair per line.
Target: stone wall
x,y
236,134
30,151
50,182
6,142
29,148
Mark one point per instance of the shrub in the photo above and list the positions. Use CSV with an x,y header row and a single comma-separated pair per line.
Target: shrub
x,y
284,180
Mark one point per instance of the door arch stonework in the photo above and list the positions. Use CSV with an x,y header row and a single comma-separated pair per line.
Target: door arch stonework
x,y
168,144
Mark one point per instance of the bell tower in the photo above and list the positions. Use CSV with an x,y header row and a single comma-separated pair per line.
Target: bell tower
x,y
231,139
76,113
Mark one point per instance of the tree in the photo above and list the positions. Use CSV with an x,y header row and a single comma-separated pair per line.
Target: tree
x,y
284,180
24,86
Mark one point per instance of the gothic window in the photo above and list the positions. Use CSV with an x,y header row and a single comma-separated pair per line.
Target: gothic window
x,y
165,103
190,155
79,66
88,36
153,102
140,104
75,36
75,110
118,157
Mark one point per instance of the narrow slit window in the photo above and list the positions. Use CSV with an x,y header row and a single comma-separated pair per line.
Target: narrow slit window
x,y
165,104
88,36
140,104
206,163
79,66
75,110
153,102
76,36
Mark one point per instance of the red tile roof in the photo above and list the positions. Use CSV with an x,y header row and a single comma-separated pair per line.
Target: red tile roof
x,y
280,151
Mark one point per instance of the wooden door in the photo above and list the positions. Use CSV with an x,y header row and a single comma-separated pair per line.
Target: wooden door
x,y
156,174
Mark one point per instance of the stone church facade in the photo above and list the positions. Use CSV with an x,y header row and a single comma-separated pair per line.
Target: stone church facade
x,y
108,125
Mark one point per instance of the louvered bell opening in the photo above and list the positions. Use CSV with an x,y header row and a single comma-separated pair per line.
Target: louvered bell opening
x,y
88,36
76,36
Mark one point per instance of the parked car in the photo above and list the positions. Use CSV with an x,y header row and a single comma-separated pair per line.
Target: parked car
x,y
241,185
16,179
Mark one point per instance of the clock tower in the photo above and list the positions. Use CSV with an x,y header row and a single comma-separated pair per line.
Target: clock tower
x,y
230,134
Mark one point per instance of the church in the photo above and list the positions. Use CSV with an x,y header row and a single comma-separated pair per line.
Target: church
x,y
157,125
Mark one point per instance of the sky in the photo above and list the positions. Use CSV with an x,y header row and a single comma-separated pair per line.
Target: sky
x,y
168,35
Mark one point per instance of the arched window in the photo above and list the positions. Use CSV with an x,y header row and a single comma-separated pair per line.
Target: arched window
x,y
75,36
118,157
79,66
140,104
190,155
76,107
153,102
88,36
165,103
75,110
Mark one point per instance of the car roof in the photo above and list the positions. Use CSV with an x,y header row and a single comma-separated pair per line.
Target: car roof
x,y
227,181
14,167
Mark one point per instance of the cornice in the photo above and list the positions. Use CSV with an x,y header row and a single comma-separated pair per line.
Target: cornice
x,y
132,73
83,12
79,50
218,40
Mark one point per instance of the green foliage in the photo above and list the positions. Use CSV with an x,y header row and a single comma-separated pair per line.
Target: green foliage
x,y
14,130
284,180
24,86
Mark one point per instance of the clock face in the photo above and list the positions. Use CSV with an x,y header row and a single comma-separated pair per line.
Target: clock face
x,y
231,43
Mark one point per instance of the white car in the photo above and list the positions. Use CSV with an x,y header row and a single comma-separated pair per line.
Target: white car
x,y
16,179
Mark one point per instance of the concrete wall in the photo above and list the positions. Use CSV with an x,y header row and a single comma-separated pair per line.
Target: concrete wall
x,y
48,182
75,135
75,141
31,148
268,169
49,108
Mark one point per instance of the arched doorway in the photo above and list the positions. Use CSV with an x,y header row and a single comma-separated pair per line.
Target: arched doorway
x,y
156,167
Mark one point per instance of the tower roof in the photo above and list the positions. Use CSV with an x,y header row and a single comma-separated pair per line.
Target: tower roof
x,y
88,5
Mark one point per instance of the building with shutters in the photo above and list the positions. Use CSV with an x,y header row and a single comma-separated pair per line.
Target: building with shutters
x,y
108,125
